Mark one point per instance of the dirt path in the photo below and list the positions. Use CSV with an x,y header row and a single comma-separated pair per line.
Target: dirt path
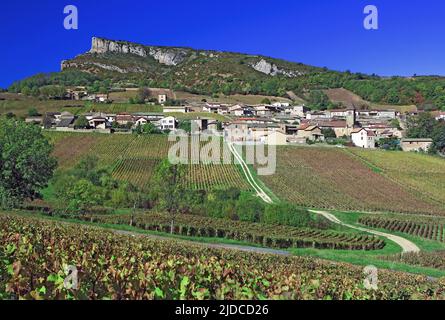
x,y
406,245
260,192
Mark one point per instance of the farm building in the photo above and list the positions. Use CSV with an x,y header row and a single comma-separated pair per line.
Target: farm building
x,y
275,138
416,145
312,133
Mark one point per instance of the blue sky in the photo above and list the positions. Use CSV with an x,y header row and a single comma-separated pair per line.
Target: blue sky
x,y
410,39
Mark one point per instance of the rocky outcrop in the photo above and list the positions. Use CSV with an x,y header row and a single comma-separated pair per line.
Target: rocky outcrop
x,y
271,69
169,57
88,66
266,67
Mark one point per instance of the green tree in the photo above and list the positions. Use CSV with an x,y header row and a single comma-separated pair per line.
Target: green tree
x,y
286,214
81,123
33,112
420,126
167,189
82,196
26,164
249,208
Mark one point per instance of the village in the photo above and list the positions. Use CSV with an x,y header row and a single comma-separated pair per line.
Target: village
x,y
277,123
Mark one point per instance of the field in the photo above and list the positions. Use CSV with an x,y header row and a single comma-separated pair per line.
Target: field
x,y
424,227
434,259
35,254
274,236
19,105
134,159
332,178
422,174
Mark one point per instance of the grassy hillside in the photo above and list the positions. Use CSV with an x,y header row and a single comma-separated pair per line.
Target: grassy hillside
x,y
334,179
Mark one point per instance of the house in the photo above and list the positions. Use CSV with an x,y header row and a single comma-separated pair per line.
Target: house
x,y
241,111
281,104
310,132
337,113
139,121
99,123
109,116
98,97
162,98
149,116
76,94
416,145
275,138
124,118
51,119
65,123
387,114
299,111
168,123
317,115
338,126
263,111
176,109
34,120
363,138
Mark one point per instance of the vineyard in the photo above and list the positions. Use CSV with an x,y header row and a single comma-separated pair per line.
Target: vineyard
x,y
35,254
134,159
434,259
421,173
432,229
331,178
273,236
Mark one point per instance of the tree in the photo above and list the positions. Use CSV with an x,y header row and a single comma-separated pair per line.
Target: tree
x,y
148,128
33,112
26,164
249,208
420,126
318,100
329,133
266,101
143,94
83,196
286,214
167,189
81,123
426,126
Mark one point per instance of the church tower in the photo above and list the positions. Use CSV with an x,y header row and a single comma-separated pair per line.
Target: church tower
x,y
351,117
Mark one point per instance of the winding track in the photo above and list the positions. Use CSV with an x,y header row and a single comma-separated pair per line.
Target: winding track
x,y
406,245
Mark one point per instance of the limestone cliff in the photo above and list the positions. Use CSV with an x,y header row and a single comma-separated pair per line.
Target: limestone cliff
x,y
166,56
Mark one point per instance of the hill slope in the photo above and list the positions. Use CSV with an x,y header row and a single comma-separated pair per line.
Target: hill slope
x,y
120,63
